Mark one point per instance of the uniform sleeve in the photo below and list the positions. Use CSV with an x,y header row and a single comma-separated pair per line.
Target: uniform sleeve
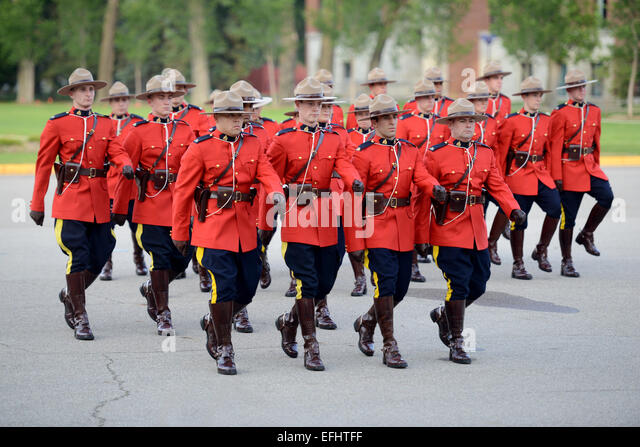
x,y
133,148
557,139
351,118
267,176
189,174
116,152
422,178
498,188
596,140
354,243
505,135
49,147
345,168
277,156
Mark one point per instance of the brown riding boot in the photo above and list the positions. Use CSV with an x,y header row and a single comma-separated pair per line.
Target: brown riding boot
x,y
506,232
138,257
291,292
75,290
585,237
265,274
384,315
160,287
241,321
416,276
365,326
357,264
205,279
566,267
221,315
287,324
195,265
206,323
497,227
518,271
147,292
455,317
312,359
107,271
323,318
540,252
439,317
89,278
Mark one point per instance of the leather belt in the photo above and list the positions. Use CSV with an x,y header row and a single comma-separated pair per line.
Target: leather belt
x,y
533,158
475,200
302,188
396,202
93,172
583,150
237,196
160,177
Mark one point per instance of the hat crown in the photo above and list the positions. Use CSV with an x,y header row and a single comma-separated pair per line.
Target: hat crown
x,y
228,101
424,86
376,74
461,106
160,83
309,87
383,103
481,90
574,76
243,89
324,76
80,75
118,89
362,102
213,94
433,74
531,83
492,67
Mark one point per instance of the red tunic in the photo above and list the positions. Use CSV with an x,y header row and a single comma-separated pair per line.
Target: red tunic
x,y
87,200
234,228
516,130
499,107
193,116
566,120
486,132
447,162
144,145
338,115
289,153
271,126
352,123
288,123
122,125
440,108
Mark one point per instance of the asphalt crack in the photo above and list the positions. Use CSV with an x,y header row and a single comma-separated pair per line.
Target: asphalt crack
x,y
124,393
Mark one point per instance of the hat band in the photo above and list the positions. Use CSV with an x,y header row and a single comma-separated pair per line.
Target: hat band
x,y
310,95
383,111
532,90
425,93
460,114
493,73
116,95
158,90
376,81
361,109
227,109
584,81
440,79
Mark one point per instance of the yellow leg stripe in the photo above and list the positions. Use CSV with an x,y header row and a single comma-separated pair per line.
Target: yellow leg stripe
x,y
376,292
214,289
139,230
298,289
283,249
436,252
113,233
58,231
562,217
512,226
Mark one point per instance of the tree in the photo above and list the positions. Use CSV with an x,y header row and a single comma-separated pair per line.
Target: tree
x,y
107,49
625,25
199,68
26,39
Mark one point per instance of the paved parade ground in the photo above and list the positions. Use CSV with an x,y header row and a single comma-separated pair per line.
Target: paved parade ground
x,y
553,351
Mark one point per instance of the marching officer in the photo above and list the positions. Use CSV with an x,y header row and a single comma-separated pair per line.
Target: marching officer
x,y
419,127
377,82
123,122
523,154
156,146
211,122
221,168
389,167
305,158
81,139
485,131
499,105
326,78
458,231
271,126
442,103
358,135
575,166
290,122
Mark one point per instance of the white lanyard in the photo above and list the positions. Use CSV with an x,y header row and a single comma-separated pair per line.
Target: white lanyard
x,y
166,155
533,134
470,162
395,186
84,142
233,177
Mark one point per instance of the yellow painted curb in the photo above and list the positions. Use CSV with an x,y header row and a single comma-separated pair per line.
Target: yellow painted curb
x,y
620,160
17,169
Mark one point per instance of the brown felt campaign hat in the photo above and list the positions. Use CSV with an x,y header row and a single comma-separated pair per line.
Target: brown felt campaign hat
x,y
159,84
361,103
383,105
461,108
228,102
434,74
481,91
81,76
377,76
212,96
309,89
424,87
531,85
178,77
575,78
492,68
326,77
118,90
248,93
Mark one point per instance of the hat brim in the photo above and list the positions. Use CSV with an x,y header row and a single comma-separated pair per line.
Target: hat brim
x,y
483,96
498,73
322,99
263,102
529,92
108,98
184,84
447,119
292,113
379,81
424,94
227,112
97,85
576,85
376,114
146,95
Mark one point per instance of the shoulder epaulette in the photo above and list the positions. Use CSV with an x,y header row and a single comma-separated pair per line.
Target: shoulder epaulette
x,y
287,130
100,115
450,99
191,106
140,123
133,115
182,122
212,129
202,138
288,119
407,141
364,145
478,143
244,134
559,106
502,94
404,116
258,125
337,125
325,130
438,146
264,118
350,130
592,104
508,116
59,115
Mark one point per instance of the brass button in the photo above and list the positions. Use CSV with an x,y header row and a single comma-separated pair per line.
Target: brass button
x,y
70,139
315,167
217,166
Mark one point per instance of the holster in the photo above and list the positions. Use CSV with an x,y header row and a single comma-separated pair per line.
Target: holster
x,y
201,196
457,201
440,209
507,167
142,180
66,173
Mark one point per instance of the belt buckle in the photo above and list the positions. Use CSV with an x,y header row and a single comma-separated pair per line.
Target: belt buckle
x,y
237,196
472,200
584,151
393,202
92,172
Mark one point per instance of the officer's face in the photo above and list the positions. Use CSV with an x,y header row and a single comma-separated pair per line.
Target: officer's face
x,y
160,104
119,106
425,103
385,125
175,102
229,123
462,128
438,86
309,112
248,118
494,83
480,105
326,113
363,119
378,88
83,96
577,93
532,101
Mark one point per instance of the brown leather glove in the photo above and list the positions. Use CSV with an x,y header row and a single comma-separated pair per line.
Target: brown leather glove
x,y
182,246
558,185
37,216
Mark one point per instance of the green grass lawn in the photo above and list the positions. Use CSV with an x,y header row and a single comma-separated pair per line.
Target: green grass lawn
x,y
21,125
